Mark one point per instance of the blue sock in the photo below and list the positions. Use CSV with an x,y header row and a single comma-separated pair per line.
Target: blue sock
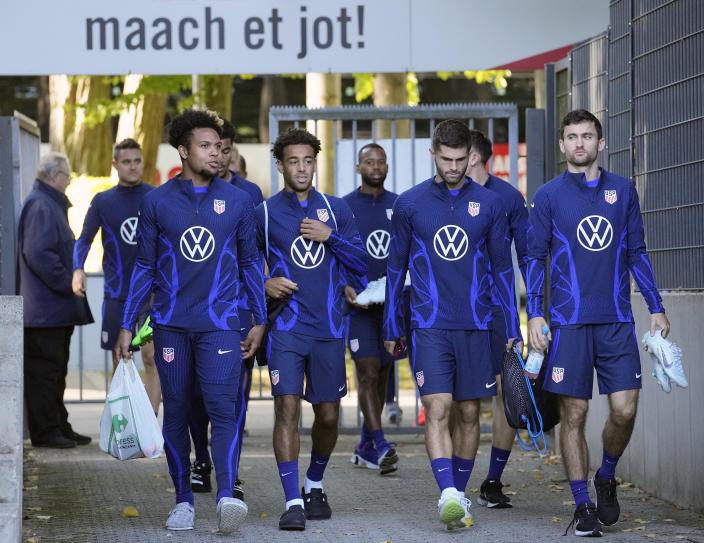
x,y
461,471
379,439
608,466
499,458
288,472
317,466
365,437
580,491
442,469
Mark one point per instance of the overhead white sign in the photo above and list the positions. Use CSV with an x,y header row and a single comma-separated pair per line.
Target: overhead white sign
x,y
272,37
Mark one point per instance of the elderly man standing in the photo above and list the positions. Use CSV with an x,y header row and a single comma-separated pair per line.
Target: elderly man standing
x,y
51,309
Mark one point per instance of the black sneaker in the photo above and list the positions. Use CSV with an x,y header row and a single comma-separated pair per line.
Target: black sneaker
x,y
491,496
316,504
586,523
200,477
607,507
55,441
237,490
78,438
294,518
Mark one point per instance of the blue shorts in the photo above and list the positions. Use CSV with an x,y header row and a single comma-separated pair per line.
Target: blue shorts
x,y
456,362
575,351
322,361
498,348
112,322
211,357
366,336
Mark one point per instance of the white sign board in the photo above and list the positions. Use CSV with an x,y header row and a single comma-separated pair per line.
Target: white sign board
x,y
273,37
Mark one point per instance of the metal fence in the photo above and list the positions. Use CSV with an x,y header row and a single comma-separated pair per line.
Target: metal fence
x,y
409,163
667,73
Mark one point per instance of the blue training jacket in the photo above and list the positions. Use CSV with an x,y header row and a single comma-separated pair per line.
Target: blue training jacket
x,y
115,213
450,244
198,253
321,270
594,237
373,217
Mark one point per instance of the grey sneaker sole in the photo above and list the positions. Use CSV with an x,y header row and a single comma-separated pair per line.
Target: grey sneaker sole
x,y
231,515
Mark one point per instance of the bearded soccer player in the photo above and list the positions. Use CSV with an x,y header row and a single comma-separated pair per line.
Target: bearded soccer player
x,y
490,494
451,232
588,221
312,246
114,212
198,423
197,250
371,204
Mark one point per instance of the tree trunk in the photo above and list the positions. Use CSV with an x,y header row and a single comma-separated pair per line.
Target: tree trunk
x,y
273,94
217,94
144,122
88,148
324,90
59,91
390,90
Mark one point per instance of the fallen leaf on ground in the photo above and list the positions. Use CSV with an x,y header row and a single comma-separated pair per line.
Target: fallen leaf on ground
x,y
568,502
640,521
44,517
556,520
510,492
30,487
317,531
668,520
263,514
130,511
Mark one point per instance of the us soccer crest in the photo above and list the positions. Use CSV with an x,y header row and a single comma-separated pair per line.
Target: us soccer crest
x,y
558,374
610,196
473,208
354,345
274,377
420,379
219,206
167,354
323,215
389,213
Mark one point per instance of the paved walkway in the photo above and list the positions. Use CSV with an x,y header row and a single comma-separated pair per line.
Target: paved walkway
x,y
79,496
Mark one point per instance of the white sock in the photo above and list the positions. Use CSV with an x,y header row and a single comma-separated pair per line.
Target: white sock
x,y
291,503
450,492
308,485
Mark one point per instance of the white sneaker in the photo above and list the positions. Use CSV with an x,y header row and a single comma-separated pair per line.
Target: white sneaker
x,y
375,293
451,509
467,521
668,355
660,375
231,514
394,413
181,517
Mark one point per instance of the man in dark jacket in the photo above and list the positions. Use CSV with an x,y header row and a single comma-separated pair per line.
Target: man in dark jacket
x,y
51,309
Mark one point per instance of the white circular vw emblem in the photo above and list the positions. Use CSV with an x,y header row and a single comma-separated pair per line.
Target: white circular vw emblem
x,y
306,253
595,233
451,242
197,244
378,244
128,230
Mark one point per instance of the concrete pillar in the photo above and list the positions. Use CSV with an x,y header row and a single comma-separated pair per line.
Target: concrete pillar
x,y
11,414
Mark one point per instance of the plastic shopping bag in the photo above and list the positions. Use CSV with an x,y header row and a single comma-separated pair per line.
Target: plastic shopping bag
x,y
128,427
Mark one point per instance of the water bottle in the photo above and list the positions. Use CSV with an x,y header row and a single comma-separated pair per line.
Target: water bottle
x,y
535,358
